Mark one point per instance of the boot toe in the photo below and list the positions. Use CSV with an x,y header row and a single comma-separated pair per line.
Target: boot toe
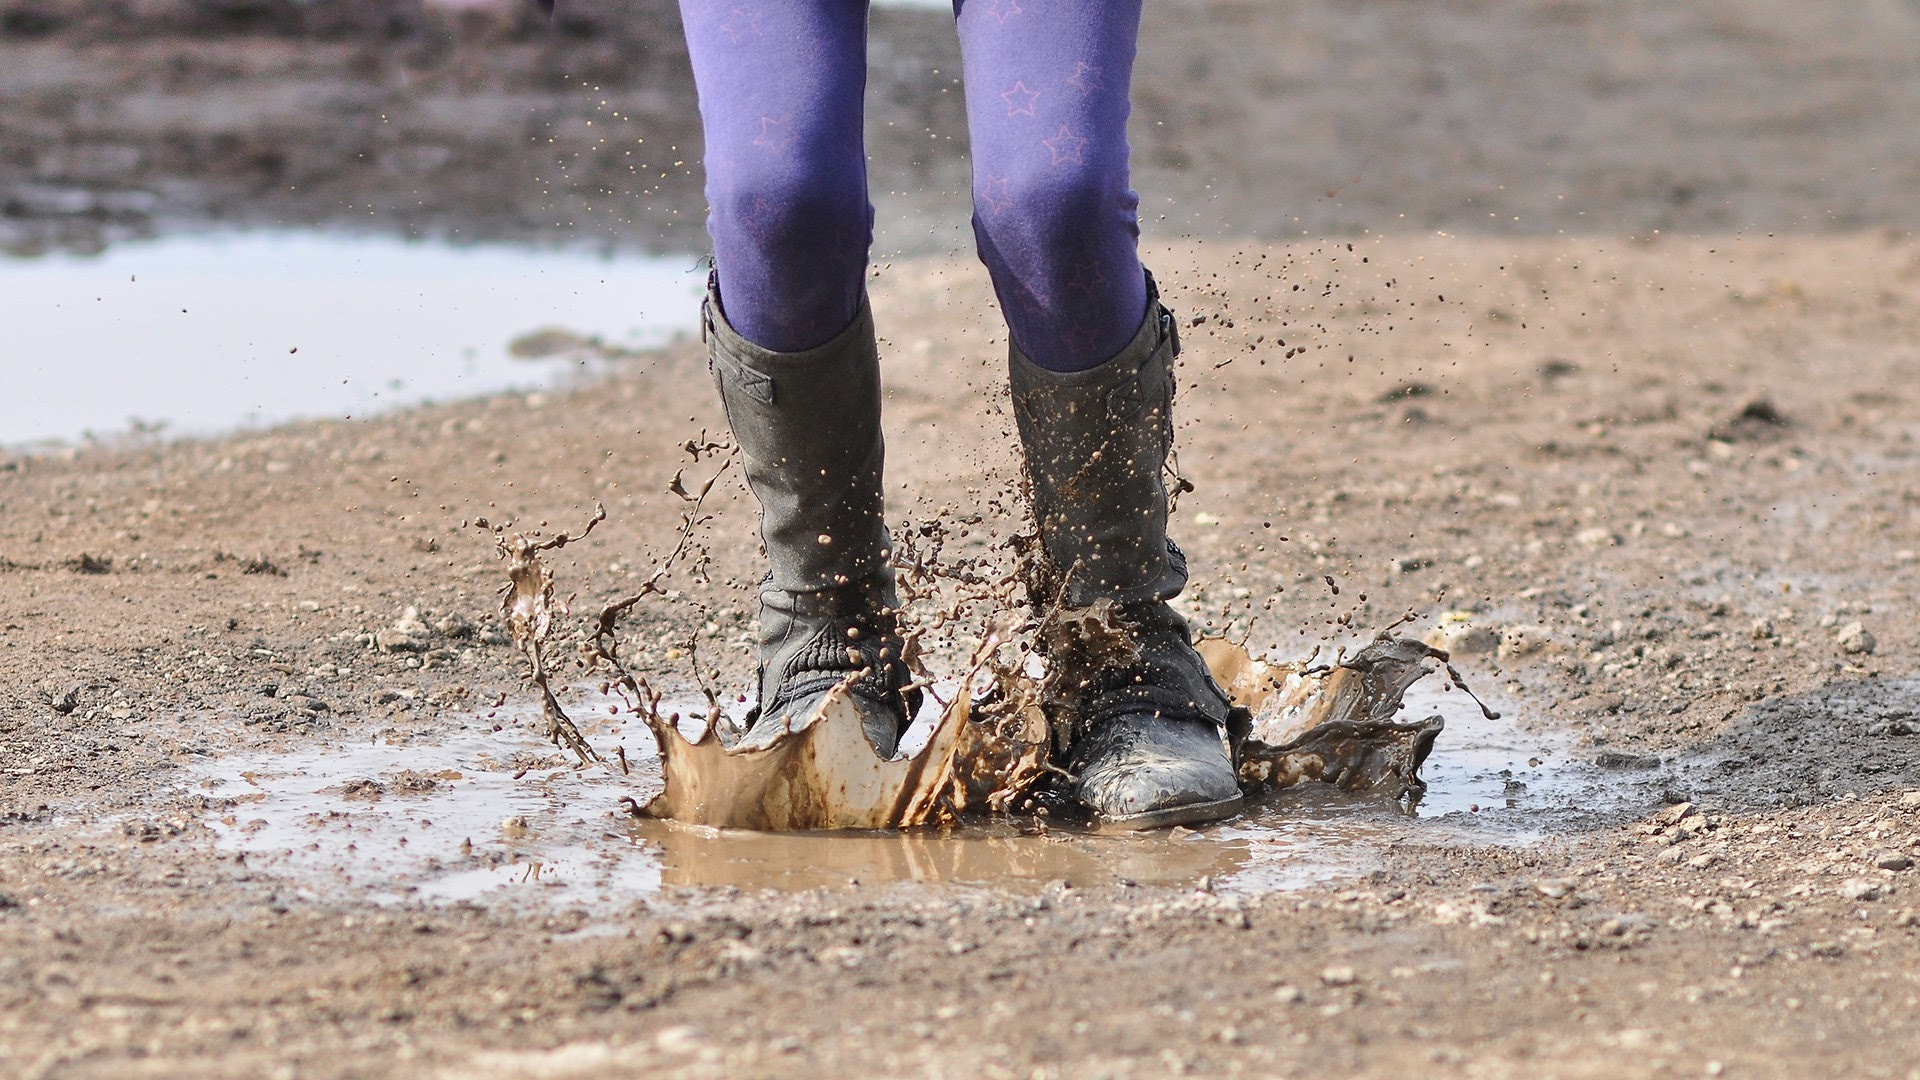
x,y
1143,772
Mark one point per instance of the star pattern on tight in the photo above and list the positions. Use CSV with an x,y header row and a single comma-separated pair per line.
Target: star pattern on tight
x,y
1003,10
1065,147
741,24
1079,338
776,133
1086,77
1020,100
1087,277
995,194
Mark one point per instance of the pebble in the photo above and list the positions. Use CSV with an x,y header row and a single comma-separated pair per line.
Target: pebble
x,y
1595,538
1459,639
407,634
677,1039
1859,889
1339,975
1672,815
1854,640
1517,641
1892,860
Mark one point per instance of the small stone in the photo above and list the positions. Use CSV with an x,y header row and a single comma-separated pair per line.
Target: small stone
x,y
1859,889
1595,538
1287,994
1339,975
1910,798
1854,640
678,1039
362,788
1762,630
407,634
1553,888
1674,814
1518,641
1892,860
1461,639
1625,925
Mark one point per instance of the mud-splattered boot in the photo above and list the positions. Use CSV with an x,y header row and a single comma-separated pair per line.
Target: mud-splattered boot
x,y
1148,750
808,427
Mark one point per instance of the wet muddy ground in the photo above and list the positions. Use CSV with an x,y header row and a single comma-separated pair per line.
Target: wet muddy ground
x,y
1657,491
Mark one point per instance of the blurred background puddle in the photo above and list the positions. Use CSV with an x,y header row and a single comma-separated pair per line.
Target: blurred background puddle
x,y
498,816
200,333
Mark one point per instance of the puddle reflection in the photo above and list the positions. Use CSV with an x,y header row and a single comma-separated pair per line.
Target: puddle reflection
x,y
196,334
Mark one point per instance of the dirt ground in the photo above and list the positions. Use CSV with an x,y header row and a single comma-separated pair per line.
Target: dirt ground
x,y
1594,324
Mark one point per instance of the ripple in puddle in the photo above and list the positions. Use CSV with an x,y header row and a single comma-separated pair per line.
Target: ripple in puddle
x,y
498,817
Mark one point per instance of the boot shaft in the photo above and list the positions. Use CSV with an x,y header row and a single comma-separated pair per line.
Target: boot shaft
x,y
1097,443
808,427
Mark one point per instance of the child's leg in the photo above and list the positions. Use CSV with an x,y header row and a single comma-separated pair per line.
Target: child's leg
x,y
791,347
1047,84
1091,367
780,85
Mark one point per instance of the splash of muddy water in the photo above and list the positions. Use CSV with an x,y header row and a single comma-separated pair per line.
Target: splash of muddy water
x,y
1293,722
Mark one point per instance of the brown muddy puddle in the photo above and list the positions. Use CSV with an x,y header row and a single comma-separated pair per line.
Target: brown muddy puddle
x,y
500,817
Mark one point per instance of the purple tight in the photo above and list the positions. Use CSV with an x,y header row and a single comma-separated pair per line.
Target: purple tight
x,y
780,85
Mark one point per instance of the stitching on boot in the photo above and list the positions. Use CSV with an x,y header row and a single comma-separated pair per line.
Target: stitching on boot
x,y
756,385
1125,401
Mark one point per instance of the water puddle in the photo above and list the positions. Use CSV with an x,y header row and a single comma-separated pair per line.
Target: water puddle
x,y
501,817
196,334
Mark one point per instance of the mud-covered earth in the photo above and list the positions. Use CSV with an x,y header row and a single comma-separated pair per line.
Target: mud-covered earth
x,y
1583,332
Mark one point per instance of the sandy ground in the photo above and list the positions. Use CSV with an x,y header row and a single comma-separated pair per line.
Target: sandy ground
x,y
1674,471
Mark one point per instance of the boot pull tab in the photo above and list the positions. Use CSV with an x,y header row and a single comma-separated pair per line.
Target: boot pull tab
x,y
706,304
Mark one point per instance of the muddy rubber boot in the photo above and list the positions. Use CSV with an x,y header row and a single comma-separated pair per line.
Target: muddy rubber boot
x,y
1148,717
808,428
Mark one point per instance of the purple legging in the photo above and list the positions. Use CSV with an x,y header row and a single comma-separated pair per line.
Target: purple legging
x,y
780,85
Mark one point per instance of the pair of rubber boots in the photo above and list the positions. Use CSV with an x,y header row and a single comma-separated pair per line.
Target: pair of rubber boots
x,y
1148,750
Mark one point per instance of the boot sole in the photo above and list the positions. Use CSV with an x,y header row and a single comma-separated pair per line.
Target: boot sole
x,y
1190,814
